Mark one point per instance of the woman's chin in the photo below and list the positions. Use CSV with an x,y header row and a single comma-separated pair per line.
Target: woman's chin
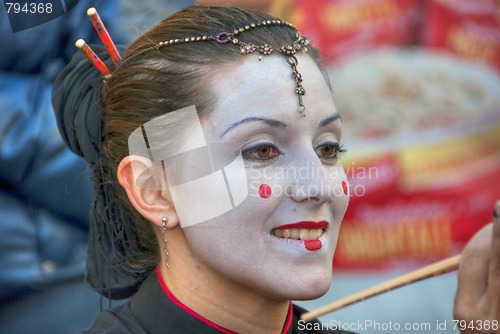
x,y
302,288
311,292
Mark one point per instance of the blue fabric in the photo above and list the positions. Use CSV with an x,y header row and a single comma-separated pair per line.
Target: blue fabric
x,y
45,189
45,194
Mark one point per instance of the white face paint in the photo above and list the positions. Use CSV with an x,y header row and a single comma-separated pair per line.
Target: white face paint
x,y
294,157
180,158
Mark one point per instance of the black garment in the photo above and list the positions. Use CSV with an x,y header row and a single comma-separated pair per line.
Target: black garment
x,y
154,310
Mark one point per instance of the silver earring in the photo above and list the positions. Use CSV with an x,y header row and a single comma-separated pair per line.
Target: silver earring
x,y
165,241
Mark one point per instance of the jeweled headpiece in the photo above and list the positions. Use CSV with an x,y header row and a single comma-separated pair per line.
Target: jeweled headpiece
x,y
299,45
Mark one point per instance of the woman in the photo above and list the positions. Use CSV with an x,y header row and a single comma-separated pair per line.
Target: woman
x,y
219,191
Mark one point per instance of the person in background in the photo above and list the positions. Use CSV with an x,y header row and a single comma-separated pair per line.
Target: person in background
x,y
45,190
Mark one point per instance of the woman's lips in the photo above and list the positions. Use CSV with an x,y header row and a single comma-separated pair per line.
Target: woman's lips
x,y
306,230
304,224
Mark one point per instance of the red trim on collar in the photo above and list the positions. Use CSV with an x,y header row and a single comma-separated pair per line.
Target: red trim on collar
x,y
289,318
198,316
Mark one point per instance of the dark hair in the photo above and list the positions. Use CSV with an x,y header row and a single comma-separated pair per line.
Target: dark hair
x,y
148,85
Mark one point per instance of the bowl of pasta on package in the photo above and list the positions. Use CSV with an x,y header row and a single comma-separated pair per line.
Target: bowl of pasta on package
x,y
423,133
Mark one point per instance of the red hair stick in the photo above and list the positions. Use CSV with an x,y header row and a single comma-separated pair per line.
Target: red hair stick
x,y
103,35
94,59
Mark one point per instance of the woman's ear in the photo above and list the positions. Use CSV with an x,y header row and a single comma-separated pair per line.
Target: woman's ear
x,y
146,189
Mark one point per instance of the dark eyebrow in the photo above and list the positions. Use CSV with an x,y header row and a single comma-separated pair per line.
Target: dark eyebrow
x,y
269,121
330,119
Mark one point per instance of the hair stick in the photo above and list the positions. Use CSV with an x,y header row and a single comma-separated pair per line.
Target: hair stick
x,y
94,59
103,34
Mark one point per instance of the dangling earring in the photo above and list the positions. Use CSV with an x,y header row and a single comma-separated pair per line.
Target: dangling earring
x,y
164,226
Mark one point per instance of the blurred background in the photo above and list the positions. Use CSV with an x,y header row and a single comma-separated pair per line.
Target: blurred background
x,y
416,82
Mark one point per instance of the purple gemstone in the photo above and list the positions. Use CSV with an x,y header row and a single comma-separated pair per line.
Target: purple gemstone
x,y
249,47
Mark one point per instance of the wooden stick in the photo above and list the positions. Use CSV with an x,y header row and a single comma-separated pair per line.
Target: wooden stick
x,y
432,270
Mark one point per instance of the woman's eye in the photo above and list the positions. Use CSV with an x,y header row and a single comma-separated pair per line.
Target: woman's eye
x,y
261,153
330,152
264,152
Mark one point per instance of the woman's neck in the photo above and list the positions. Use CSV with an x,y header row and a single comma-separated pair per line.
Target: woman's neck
x,y
217,298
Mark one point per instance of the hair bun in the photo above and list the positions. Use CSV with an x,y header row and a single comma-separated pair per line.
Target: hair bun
x,y
76,98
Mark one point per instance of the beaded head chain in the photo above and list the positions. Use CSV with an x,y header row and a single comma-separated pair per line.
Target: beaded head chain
x,y
299,45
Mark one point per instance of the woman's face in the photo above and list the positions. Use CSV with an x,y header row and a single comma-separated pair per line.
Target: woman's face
x,y
280,240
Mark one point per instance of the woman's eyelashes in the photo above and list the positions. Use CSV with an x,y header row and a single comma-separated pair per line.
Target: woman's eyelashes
x,y
266,152
261,153
330,152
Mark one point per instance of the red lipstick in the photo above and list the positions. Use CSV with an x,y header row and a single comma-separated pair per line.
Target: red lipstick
x,y
311,244
304,224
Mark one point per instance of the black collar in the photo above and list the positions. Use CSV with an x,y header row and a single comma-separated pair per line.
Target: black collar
x,y
157,309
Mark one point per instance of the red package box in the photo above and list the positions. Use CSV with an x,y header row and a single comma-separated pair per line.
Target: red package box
x,y
469,29
343,27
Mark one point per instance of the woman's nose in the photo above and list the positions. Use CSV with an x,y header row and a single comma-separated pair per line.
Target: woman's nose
x,y
313,184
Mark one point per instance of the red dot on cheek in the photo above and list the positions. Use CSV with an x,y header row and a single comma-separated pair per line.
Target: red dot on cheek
x,y
344,187
264,190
